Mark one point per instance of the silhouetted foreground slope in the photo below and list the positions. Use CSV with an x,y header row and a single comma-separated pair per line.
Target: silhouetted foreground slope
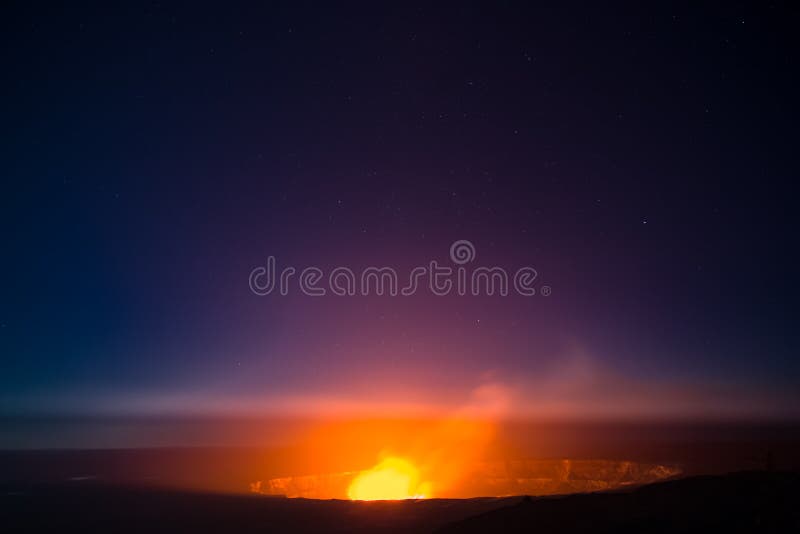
x,y
742,502
87,506
738,502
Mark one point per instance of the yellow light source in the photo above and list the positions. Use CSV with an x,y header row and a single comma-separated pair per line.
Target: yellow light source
x,y
392,479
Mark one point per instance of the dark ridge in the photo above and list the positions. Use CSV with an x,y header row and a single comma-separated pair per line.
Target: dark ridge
x,y
738,502
752,501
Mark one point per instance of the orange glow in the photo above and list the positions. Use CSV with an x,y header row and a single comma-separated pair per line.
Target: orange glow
x,y
392,479
459,457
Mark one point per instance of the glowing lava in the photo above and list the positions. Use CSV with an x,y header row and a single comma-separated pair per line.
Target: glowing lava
x,y
392,479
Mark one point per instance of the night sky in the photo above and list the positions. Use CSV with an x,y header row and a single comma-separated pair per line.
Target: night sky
x,y
640,158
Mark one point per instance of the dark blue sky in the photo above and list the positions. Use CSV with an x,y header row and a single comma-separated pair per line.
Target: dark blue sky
x,y
641,159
